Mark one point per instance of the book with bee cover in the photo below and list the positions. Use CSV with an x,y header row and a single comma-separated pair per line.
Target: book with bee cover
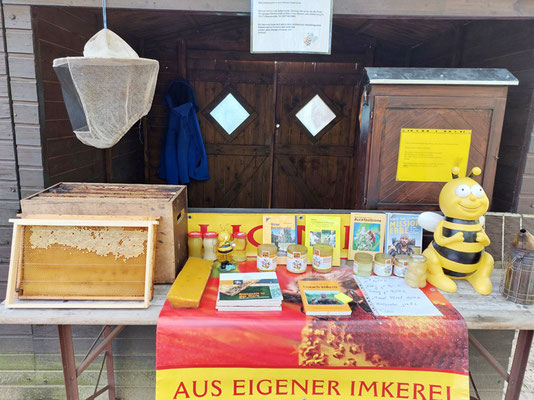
x,y
367,232
323,229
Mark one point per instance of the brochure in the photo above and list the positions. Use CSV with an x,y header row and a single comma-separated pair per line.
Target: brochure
x,y
319,298
366,233
323,229
280,230
404,235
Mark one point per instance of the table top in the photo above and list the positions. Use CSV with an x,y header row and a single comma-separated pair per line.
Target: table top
x,y
480,312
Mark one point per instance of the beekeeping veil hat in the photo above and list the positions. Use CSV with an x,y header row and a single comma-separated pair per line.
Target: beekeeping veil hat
x,y
107,90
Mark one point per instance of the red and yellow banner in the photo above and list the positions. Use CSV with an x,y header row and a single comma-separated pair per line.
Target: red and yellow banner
x,y
208,354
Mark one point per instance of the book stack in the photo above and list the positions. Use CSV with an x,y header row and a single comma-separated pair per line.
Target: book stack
x,y
249,291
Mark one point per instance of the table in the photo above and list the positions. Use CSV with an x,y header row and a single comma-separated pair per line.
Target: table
x,y
479,312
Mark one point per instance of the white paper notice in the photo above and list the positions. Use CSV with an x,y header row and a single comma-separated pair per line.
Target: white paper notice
x,y
291,26
391,297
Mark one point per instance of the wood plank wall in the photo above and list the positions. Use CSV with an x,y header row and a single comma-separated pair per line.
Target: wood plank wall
x,y
498,44
59,33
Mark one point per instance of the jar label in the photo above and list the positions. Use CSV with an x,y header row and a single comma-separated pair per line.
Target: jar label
x,y
295,263
321,263
382,269
266,263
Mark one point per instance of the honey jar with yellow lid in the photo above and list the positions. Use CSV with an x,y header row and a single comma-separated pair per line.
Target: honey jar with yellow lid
x,y
266,258
297,258
322,257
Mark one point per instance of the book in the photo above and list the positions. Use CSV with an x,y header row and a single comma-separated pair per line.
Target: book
x,y
249,289
323,229
280,230
319,298
366,233
404,235
251,308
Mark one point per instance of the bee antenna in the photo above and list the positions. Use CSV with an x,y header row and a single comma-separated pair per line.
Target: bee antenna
x,y
454,172
475,172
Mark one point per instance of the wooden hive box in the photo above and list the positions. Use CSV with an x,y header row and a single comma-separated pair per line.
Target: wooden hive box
x,y
167,202
100,258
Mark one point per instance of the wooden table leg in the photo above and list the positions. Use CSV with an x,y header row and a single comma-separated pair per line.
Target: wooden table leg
x,y
519,364
69,363
109,366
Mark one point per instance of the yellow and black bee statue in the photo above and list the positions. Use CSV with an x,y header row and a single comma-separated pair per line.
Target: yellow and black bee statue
x,y
457,251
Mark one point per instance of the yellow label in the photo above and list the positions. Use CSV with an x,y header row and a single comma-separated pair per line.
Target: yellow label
x,y
311,384
427,155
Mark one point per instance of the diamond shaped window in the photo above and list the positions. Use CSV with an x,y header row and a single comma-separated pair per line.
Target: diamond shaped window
x,y
229,113
315,115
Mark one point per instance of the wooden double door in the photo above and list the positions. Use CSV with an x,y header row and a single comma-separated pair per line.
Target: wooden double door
x,y
277,134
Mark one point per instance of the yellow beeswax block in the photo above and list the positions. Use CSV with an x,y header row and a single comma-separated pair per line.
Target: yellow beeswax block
x,y
187,289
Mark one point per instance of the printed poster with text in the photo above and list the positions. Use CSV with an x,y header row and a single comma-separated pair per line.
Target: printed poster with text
x,y
428,155
296,26
285,355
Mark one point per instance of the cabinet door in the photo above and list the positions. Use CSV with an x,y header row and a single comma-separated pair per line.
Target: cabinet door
x,y
393,113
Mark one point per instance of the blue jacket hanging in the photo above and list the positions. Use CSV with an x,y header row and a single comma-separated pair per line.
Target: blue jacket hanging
x,y
183,154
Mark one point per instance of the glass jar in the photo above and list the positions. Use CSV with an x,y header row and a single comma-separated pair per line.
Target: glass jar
x,y
382,265
240,249
363,264
297,258
266,259
194,244
401,265
416,274
210,246
322,257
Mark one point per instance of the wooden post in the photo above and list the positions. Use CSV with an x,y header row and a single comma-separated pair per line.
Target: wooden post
x,y
69,363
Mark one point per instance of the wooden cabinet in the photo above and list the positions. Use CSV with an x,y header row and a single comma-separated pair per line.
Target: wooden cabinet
x,y
427,98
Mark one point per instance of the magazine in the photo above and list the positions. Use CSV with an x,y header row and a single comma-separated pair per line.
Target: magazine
x,y
403,235
249,289
323,229
366,233
280,230
319,298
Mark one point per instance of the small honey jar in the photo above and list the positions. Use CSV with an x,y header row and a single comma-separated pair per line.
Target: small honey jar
x,y
240,249
194,244
401,265
322,257
382,265
363,264
416,274
266,259
297,258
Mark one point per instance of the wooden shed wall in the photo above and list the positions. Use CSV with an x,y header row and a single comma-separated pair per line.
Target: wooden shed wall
x,y
497,44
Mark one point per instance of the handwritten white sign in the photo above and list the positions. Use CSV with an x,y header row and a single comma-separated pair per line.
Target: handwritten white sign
x,y
291,26
391,297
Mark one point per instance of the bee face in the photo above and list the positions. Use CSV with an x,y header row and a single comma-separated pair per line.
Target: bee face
x,y
463,198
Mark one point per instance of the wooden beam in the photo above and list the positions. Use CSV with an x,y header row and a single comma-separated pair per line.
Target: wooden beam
x,y
472,9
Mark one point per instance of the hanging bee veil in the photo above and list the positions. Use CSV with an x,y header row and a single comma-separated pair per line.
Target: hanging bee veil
x,y
107,90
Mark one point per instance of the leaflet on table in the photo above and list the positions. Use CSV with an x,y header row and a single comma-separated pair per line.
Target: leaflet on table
x,y
280,230
391,297
252,288
403,235
366,233
319,298
323,229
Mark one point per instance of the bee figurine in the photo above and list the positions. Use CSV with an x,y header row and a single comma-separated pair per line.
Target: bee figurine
x,y
457,251
225,249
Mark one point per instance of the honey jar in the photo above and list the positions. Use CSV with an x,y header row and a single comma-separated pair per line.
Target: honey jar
x,y
194,244
240,250
210,246
401,265
266,259
382,265
297,258
322,257
416,274
363,264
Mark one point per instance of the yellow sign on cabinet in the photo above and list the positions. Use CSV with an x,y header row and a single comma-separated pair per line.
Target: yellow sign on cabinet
x,y
427,155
